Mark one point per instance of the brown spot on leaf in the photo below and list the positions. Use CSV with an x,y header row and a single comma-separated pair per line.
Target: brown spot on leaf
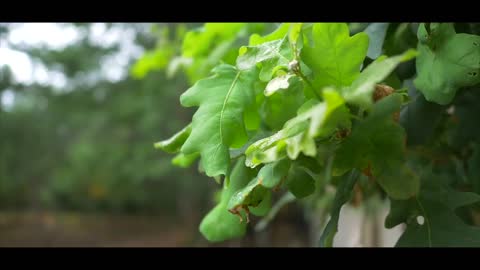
x,y
382,91
236,211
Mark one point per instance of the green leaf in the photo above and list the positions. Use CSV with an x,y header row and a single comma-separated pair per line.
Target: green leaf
x,y
200,41
218,123
376,33
377,144
464,122
299,182
335,58
210,45
281,104
299,132
154,60
342,196
361,91
447,61
257,190
295,35
446,230
263,207
219,224
279,33
441,227
271,56
184,161
420,118
174,143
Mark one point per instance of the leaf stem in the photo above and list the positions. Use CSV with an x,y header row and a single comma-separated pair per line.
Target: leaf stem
x,y
298,71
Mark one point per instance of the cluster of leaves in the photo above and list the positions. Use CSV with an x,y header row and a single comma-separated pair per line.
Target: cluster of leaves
x,y
310,105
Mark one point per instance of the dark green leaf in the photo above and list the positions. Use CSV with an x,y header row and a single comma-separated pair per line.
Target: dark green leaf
x,y
376,144
299,182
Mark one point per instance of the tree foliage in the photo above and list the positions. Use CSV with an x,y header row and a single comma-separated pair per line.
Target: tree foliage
x,y
313,105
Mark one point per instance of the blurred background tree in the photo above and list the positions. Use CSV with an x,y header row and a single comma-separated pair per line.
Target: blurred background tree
x,y
77,135
86,143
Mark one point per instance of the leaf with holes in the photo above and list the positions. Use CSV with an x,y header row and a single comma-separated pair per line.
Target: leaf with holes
x,y
258,190
447,61
438,226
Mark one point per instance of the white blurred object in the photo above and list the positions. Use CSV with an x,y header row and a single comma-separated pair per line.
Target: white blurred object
x,y
356,228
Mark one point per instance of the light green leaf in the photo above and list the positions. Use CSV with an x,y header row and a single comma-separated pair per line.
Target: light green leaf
x,y
184,161
279,33
447,61
218,123
295,35
154,60
335,58
174,143
257,190
209,45
361,91
271,56
200,41
299,132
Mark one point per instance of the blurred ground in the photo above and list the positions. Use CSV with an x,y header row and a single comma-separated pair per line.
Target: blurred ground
x,y
35,229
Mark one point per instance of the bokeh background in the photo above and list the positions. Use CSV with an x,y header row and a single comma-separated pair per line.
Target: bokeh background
x,y
81,105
